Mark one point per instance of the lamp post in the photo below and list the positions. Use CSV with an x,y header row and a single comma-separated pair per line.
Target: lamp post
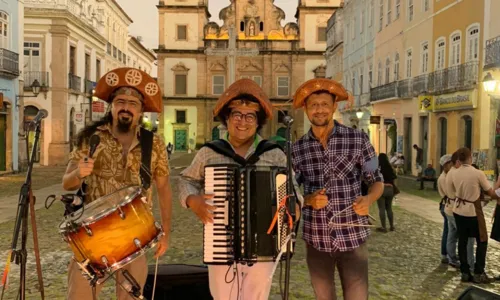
x,y
359,113
23,149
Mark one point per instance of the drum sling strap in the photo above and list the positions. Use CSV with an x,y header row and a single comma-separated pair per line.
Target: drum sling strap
x,y
146,142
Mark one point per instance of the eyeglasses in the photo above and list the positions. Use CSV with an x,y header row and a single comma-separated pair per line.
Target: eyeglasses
x,y
249,118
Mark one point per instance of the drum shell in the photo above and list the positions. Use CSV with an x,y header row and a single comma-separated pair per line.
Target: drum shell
x,y
112,236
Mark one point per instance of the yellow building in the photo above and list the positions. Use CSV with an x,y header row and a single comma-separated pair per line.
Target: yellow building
x,y
457,109
402,62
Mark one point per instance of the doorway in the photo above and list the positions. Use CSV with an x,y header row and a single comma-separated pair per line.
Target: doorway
x,y
407,148
3,142
180,139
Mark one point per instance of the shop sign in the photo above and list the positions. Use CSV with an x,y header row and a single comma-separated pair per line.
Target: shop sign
x,y
426,103
455,101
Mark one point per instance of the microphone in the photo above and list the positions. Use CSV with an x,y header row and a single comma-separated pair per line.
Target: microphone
x,y
94,142
42,114
287,120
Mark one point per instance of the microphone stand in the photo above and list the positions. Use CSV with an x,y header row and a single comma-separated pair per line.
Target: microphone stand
x,y
26,196
291,204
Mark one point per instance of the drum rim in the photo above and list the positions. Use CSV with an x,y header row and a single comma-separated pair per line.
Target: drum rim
x,y
93,219
125,261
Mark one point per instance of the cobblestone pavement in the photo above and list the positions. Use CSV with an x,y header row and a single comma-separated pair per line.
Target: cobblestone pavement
x,y
404,264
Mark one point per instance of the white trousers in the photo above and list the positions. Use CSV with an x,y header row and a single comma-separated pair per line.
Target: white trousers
x,y
254,282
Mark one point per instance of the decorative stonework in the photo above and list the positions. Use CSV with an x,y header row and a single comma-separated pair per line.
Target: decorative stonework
x,y
217,66
180,67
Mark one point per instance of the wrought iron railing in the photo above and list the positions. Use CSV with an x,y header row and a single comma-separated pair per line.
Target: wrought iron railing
x,y
9,63
492,55
405,88
456,78
420,84
41,77
74,82
385,91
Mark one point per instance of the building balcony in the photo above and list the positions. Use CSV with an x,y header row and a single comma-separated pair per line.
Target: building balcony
x,y
492,56
405,88
385,91
456,78
74,83
89,86
30,76
9,63
420,84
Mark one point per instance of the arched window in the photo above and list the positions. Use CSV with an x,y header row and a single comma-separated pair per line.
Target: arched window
x,y
440,54
379,74
455,48
396,67
387,70
472,43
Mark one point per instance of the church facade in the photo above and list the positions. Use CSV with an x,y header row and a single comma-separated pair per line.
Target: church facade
x,y
198,59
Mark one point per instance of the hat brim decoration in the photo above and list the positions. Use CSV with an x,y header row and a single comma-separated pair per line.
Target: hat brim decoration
x,y
319,84
133,78
241,87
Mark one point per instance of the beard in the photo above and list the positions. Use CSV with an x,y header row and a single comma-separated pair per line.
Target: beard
x,y
124,121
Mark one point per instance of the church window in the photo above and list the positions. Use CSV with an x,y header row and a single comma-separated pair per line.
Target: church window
x,y
218,84
242,26
182,32
180,84
283,85
321,34
261,26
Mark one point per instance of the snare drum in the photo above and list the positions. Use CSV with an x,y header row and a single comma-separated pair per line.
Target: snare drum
x,y
111,231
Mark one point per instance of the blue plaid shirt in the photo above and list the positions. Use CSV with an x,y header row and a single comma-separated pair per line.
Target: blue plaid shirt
x,y
339,169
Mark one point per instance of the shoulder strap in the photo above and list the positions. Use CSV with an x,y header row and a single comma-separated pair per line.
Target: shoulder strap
x,y
146,141
223,147
264,146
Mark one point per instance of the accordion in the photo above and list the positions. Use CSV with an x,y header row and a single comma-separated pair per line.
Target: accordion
x,y
246,201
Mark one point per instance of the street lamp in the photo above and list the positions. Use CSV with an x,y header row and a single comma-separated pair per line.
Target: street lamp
x,y
35,88
489,83
359,113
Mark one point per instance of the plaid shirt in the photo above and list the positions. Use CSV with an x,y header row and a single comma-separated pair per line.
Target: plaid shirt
x,y
338,169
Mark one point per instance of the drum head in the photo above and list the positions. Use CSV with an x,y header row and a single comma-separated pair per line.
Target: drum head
x,y
103,206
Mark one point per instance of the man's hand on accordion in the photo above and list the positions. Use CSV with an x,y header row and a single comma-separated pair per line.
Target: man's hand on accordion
x,y
198,204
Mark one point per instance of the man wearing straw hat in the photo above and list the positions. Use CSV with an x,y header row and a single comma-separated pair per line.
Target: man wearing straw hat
x,y
329,161
243,108
117,162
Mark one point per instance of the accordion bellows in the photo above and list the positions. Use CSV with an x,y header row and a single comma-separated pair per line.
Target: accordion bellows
x,y
241,87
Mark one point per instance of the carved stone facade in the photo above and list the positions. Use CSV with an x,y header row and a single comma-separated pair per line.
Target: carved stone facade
x,y
282,64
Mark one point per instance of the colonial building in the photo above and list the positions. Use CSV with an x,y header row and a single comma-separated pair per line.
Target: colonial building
x,y
68,46
334,53
193,71
10,42
358,49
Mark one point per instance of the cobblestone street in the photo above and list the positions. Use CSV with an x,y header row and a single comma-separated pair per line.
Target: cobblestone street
x,y
404,264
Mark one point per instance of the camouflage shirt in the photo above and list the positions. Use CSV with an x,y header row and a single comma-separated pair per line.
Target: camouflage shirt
x,y
111,171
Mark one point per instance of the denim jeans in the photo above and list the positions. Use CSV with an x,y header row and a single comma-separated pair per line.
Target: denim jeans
x,y
444,237
451,246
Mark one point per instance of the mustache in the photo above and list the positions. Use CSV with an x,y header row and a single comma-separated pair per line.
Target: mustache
x,y
125,112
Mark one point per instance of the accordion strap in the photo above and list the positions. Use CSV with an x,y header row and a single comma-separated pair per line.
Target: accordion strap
x,y
223,147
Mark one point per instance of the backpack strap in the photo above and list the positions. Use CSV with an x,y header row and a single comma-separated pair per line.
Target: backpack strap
x,y
264,146
146,141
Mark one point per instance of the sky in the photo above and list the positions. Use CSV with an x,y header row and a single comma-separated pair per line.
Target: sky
x,y
146,17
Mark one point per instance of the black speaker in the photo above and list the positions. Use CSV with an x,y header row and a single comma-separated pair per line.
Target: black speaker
x,y
476,293
178,281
